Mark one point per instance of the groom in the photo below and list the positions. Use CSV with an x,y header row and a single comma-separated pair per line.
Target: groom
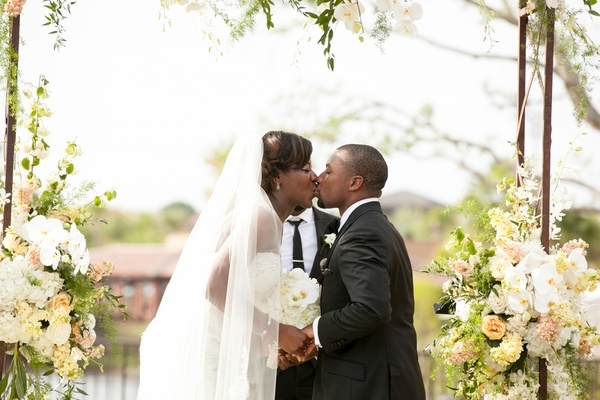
x,y
367,345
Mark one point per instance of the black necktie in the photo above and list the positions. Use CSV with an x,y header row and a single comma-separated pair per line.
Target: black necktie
x,y
297,258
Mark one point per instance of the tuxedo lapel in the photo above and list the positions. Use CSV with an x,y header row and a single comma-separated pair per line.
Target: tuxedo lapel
x,y
323,226
367,207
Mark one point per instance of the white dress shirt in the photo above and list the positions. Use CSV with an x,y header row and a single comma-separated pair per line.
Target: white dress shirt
x,y
308,234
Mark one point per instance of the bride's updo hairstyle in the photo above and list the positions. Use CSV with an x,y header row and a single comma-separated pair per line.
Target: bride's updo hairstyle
x,y
282,151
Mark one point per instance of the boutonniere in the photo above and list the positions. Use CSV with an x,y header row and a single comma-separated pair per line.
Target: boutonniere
x,y
329,239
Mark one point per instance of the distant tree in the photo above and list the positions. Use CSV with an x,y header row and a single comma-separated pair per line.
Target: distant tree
x,y
136,227
176,214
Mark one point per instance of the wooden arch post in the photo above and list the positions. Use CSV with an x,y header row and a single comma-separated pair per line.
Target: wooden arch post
x,y
547,136
10,137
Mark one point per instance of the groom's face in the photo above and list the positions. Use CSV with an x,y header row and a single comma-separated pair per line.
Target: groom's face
x,y
332,182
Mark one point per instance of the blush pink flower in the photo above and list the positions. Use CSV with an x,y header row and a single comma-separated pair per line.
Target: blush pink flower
x,y
585,347
461,268
33,256
14,7
547,329
575,244
461,351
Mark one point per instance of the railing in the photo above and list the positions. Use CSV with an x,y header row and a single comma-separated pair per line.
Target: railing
x,y
119,381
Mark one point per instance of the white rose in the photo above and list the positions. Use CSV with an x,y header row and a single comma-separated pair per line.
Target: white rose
x,y
90,322
59,333
498,267
463,309
497,302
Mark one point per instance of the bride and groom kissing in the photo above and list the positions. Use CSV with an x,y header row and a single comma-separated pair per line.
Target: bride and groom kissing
x,y
209,340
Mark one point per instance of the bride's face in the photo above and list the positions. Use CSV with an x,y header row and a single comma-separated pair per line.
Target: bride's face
x,y
299,186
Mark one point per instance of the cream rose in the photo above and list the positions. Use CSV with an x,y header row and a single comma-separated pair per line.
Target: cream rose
x,y
60,302
497,300
59,333
493,327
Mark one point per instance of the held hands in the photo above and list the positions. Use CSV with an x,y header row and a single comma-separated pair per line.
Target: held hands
x,y
311,350
295,346
292,340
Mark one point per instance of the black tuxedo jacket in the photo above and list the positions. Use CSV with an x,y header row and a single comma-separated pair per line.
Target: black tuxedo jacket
x,y
369,344
296,383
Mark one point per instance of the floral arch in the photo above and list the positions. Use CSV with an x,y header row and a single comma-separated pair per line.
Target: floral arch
x,y
373,20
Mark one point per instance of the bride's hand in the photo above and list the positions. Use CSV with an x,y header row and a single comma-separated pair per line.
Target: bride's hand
x,y
286,360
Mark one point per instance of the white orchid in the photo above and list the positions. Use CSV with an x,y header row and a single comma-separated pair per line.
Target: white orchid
x,y
45,232
350,13
77,248
545,281
386,5
532,261
408,11
515,285
406,27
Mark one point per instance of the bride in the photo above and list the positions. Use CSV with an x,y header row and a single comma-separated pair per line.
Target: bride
x,y
211,339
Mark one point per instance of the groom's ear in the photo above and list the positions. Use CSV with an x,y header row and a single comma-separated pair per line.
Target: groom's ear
x,y
356,182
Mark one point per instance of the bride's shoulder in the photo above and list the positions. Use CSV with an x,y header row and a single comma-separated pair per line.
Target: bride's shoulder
x,y
267,218
269,229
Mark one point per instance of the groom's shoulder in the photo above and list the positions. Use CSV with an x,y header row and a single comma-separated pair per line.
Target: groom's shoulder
x,y
324,215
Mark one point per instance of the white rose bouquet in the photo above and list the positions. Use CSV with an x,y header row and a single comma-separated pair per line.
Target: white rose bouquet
x,y
299,298
295,301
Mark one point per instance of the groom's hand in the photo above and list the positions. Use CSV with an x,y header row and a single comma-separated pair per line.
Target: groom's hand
x,y
308,331
311,350
291,339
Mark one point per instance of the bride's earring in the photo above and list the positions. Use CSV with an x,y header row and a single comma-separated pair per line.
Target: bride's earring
x,y
278,187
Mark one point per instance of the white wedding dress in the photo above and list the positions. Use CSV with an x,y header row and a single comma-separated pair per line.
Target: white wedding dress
x,y
211,338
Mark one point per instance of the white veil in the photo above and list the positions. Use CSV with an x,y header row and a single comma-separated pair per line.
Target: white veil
x,y
208,340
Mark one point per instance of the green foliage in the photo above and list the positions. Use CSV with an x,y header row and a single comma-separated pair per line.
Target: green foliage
x,y
427,323
426,225
58,10
586,225
381,30
176,214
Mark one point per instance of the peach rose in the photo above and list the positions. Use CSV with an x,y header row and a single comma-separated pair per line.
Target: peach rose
x,y
493,327
61,302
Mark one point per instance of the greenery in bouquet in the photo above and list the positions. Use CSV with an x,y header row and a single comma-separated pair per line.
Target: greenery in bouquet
x,y
52,300
512,302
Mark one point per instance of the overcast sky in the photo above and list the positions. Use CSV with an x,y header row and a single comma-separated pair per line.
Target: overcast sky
x,y
147,105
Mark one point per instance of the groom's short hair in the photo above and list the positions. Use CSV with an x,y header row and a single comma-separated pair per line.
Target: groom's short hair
x,y
368,162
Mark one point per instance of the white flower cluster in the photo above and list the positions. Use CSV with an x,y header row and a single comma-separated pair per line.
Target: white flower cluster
x,y
295,301
49,291
403,12
516,303
299,298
